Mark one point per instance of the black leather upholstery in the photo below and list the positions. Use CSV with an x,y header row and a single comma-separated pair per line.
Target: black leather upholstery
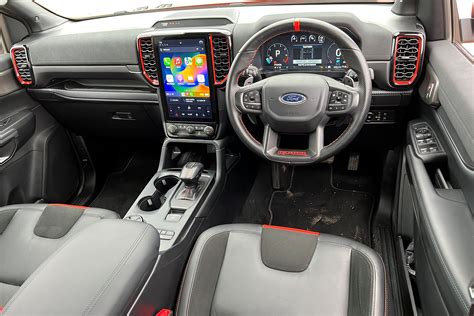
x,y
99,271
29,234
227,275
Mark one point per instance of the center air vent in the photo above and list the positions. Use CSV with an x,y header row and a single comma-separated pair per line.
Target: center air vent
x,y
147,60
22,65
220,57
407,59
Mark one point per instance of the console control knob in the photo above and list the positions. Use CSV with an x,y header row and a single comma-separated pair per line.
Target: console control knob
x,y
209,130
190,129
172,129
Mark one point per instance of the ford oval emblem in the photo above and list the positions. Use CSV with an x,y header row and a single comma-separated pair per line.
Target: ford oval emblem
x,y
293,98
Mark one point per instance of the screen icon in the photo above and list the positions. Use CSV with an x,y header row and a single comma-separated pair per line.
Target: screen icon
x,y
180,78
190,79
169,78
178,61
199,61
167,62
188,61
201,78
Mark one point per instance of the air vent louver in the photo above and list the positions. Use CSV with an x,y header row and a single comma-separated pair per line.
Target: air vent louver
x,y
407,59
147,60
220,57
22,65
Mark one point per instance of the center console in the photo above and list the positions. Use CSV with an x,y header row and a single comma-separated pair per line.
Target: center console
x,y
189,69
183,190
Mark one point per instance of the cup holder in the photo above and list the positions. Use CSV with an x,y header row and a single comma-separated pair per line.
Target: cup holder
x,y
155,201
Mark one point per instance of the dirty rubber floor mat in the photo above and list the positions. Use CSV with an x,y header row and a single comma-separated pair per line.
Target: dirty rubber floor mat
x,y
313,203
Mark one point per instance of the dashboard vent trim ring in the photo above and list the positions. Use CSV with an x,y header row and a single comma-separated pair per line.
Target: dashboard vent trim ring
x,y
148,65
22,65
407,58
221,57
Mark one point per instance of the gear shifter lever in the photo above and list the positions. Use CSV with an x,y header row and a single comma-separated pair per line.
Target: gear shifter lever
x,y
190,175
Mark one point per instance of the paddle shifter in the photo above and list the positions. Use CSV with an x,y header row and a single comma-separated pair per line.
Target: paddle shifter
x,y
190,175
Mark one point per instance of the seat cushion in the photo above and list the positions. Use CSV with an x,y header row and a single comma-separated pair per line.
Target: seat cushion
x,y
253,270
30,233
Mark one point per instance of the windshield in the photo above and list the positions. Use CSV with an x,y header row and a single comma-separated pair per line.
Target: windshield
x,y
83,9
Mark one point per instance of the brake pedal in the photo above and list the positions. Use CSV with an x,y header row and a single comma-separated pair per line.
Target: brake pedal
x,y
353,163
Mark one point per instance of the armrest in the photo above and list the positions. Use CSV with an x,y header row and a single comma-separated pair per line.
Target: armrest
x,y
20,125
99,271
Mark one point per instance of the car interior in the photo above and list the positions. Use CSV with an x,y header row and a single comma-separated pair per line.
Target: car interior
x,y
237,157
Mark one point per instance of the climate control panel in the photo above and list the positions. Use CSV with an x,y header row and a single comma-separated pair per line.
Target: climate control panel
x,y
190,130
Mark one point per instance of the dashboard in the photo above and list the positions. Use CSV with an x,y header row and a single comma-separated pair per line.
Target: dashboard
x,y
169,68
302,51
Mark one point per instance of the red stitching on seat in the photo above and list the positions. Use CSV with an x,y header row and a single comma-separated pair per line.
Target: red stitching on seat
x,y
295,230
68,205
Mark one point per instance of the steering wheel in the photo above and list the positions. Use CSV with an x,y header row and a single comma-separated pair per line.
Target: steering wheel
x,y
301,103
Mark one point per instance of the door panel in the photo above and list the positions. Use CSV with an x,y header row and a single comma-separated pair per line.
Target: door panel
x,y
442,184
37,160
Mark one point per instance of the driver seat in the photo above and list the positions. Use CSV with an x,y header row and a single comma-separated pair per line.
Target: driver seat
x,y
245,269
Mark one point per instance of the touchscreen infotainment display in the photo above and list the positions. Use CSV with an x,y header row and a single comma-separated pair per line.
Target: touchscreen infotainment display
x,y
185,78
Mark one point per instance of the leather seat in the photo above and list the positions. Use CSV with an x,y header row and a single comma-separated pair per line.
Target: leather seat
x,y
30,233
246,269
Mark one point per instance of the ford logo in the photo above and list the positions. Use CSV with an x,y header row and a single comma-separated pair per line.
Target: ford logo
x,y
293,98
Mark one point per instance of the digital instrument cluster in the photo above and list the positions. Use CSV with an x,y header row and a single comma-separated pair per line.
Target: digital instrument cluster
x,y
302,51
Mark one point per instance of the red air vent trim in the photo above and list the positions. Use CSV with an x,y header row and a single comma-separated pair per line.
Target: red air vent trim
x,y
146,52
22,66
220,57
407,57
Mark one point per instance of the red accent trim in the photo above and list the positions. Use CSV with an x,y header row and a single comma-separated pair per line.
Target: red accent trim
x,y
68,205
298,153
289,229
15,66
154,82
1,309
165,312
418,61
297,25
218,83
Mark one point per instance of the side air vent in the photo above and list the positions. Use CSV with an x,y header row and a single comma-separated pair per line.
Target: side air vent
x,y
22,65
220,47
147,60
407,59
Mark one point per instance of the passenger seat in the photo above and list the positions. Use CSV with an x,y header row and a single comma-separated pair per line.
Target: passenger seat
x,y
30,233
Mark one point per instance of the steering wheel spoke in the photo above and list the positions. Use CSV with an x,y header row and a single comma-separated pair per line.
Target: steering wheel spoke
x,y
297,156
249,99
343,99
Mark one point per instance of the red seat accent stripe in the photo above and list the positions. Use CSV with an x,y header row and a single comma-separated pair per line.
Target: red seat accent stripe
x,y
295,230
297,25
69,205
165,312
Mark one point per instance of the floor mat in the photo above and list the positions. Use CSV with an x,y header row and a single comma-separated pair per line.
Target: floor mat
x,y
313,203
122,188
364,177
255,209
